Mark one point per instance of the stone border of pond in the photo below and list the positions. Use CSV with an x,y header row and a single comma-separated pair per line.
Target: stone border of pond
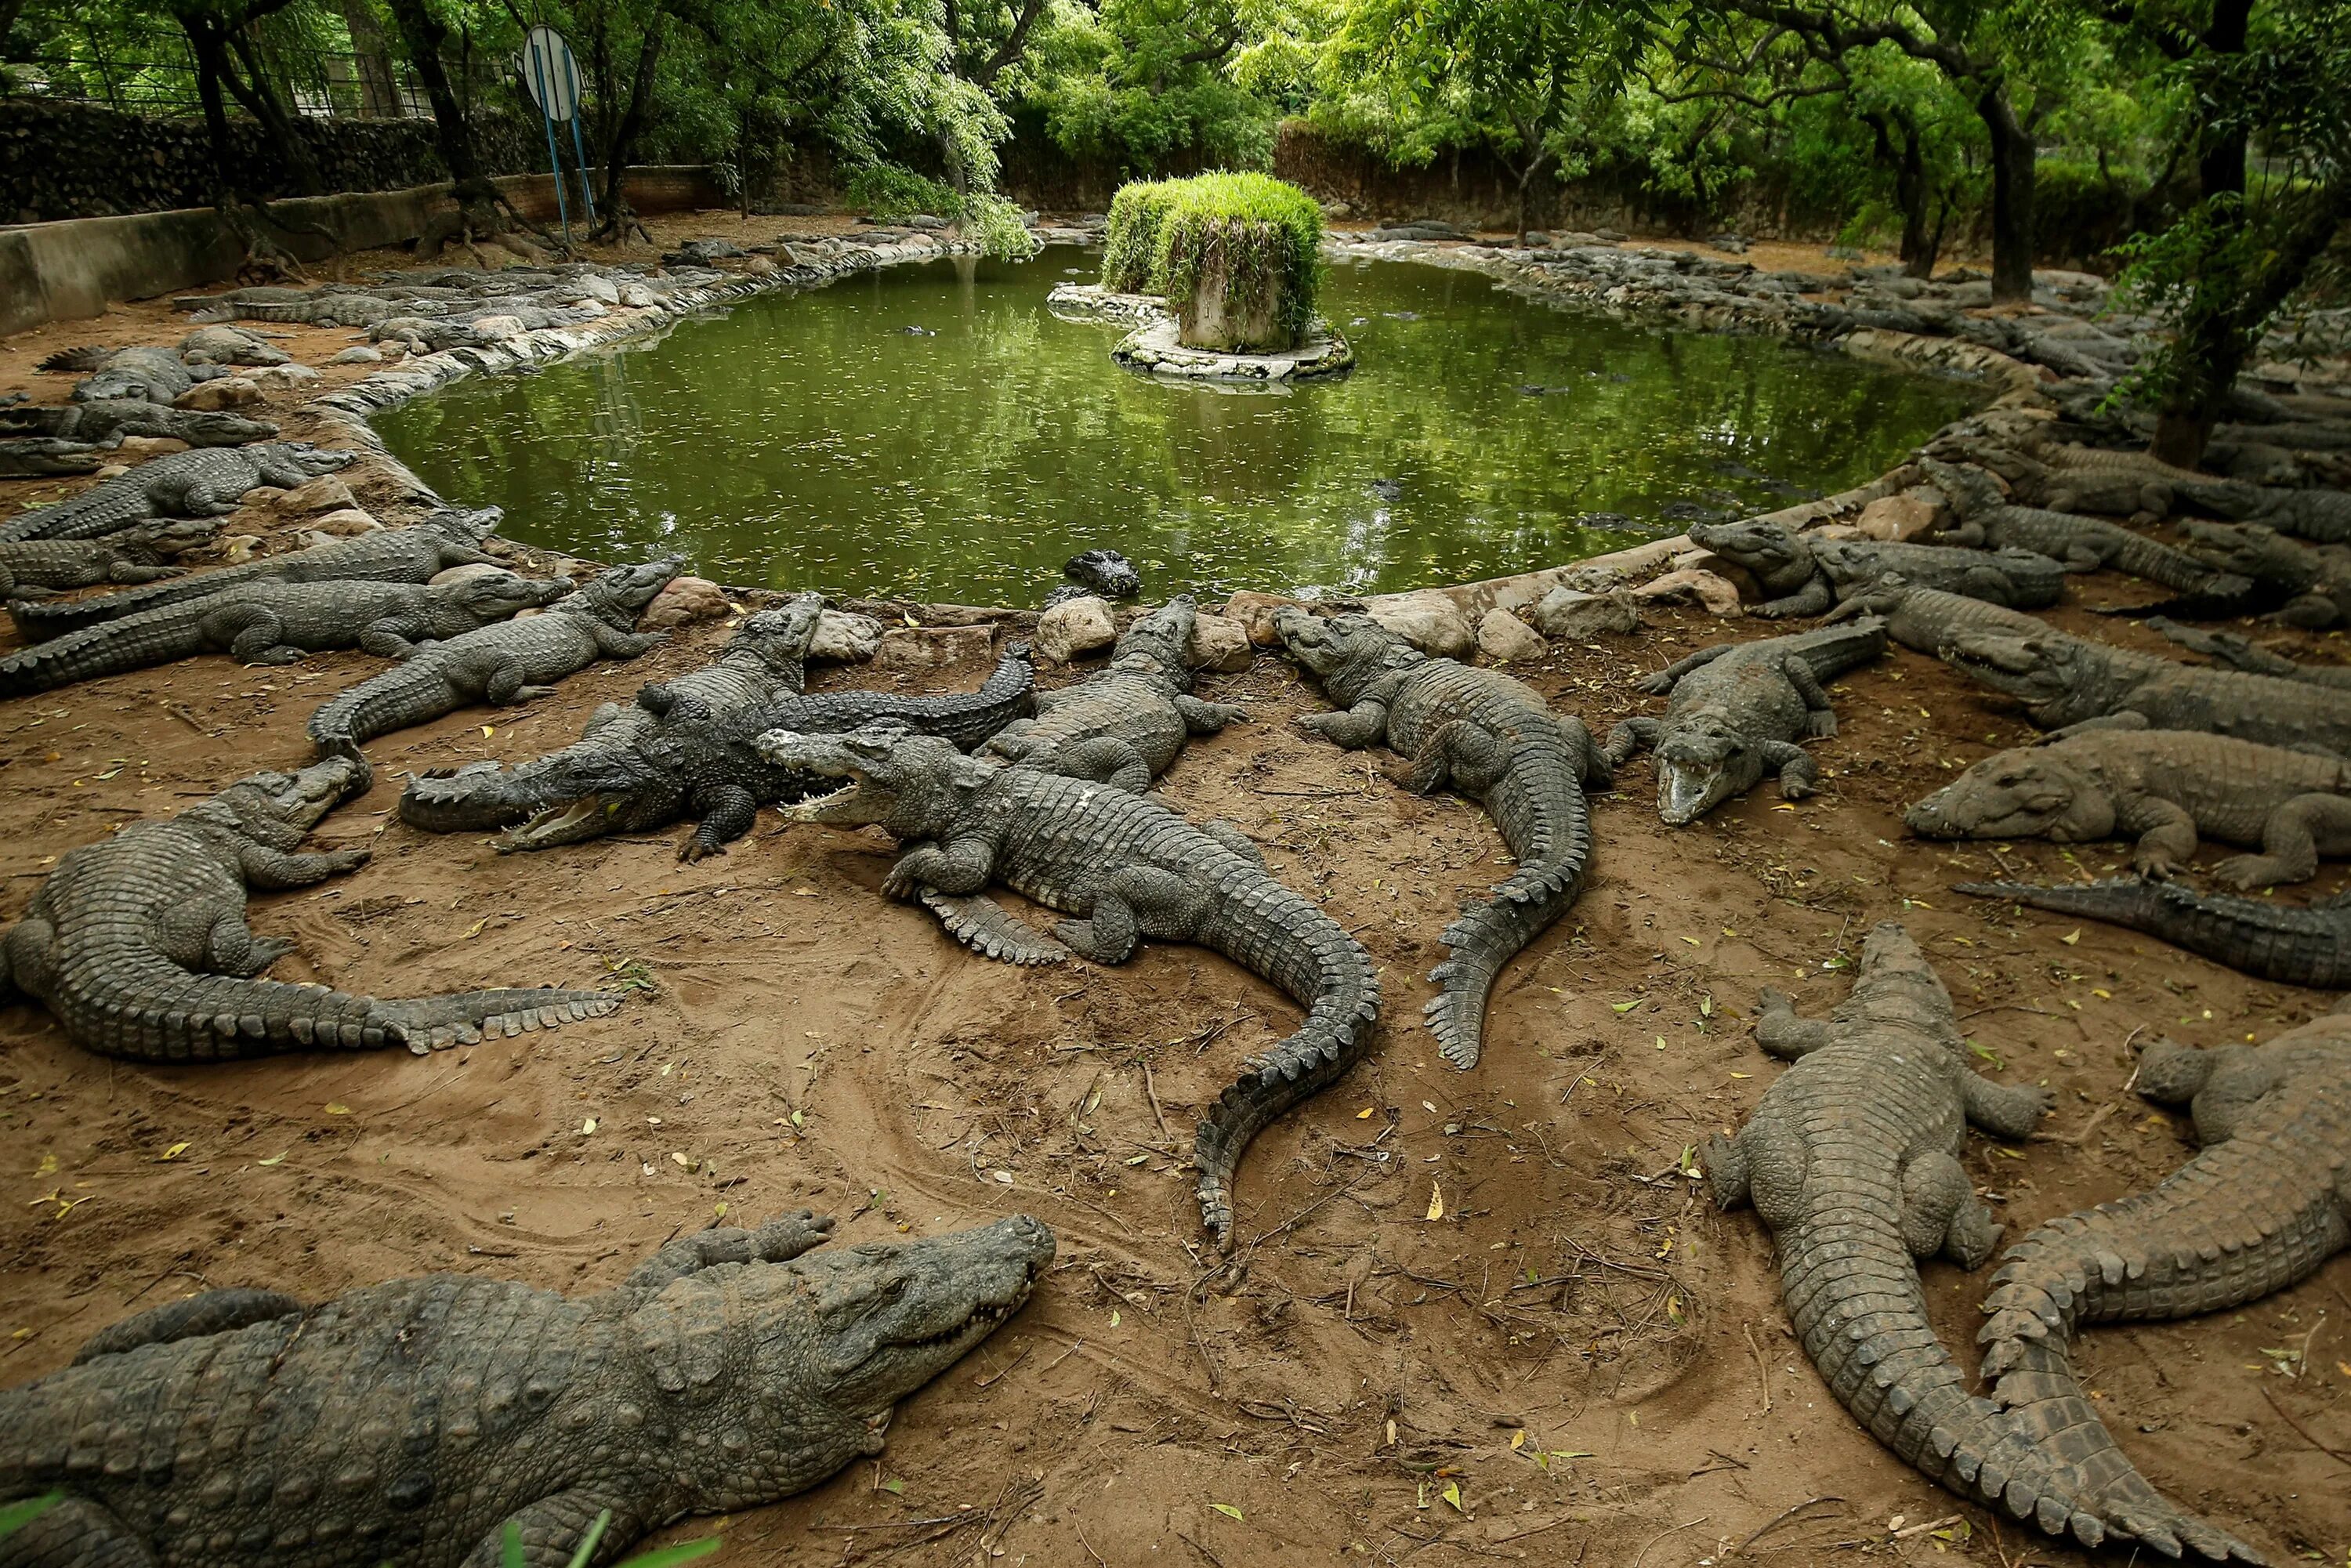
x,y
1450,612
1154,346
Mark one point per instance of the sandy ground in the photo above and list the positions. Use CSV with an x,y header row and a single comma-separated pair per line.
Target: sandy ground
x,y
1579,1362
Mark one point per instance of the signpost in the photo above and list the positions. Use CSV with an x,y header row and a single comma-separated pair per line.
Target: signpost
x,y
552,78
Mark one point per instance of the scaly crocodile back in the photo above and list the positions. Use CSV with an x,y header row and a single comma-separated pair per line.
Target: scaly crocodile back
x,y
1538,806
157,636
2297,946
1924,619
423,689
2250,1215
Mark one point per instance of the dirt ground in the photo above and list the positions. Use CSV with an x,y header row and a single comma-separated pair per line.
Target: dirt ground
x,y
1580,1361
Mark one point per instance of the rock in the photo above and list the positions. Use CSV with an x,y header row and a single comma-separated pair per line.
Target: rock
x,y
139,448
112,470
842,638
1611,236
1220,643
324,494
1692,585
1255,612
598,288
468,572
1073,627
220,394
276,378
1573,615
935,647
1913,514
1429,621
358,354
1506,640
760,266
237,549
348,523
685,600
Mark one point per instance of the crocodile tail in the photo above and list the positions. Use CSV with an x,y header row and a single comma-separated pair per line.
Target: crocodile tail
x,y
476,798
2292,947
404,695
53,618
468,1018
135,1003
91,653
1852,1293
2177,569
1332,974
1539,805
78,361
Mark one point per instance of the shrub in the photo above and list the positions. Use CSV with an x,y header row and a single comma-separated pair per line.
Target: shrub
x,y
1130,243
892,194
1262,237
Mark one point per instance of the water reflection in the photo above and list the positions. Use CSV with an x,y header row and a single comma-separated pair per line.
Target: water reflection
x,y
934,431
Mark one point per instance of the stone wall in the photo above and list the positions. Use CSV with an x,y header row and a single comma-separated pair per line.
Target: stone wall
x,y
79,160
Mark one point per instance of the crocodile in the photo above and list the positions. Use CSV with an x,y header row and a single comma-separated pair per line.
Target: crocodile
x,y
711,766
2166,787
2066,682
2266,1201
205,483
461,1419
1488,737
229,345
2315,584
105,423
44,457
1737,711
37,568
1809,576
1852,1159
138,944
1123,725
1925,618
276,623
445,540
1099,574
2241,652
141,374
766,656
2308,945
1122,866
2078,543
504,663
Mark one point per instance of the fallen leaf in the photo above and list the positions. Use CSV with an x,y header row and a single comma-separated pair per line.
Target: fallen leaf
x,y
1518,1440
174,1153
338,1109
1626,1006
1783,808
894,1487
1227,1510
1436,1201
1004,1176
488,731
477,931
1363,1115
1692,941
587,1126
2072,936
277,1159
1452,1494
1113,1317
49,1163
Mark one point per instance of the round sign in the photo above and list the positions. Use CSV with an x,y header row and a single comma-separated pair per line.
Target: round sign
x,y
549,73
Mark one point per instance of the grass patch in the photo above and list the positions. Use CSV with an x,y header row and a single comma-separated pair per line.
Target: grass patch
x,y
1261,237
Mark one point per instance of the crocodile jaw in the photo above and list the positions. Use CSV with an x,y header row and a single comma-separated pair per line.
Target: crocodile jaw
x,y
590,817
1686,794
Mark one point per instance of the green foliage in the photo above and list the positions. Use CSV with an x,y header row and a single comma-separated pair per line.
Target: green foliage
x,y
892,194
1151,84
14,1516
1130,241
510,1548
1267,236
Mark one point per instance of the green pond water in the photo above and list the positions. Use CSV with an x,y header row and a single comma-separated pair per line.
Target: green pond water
x,y
812,440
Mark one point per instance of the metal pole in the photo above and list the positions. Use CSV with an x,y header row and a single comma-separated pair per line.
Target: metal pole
x,y
562,208
580,151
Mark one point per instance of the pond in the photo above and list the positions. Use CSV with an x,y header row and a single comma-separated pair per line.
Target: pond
x,y
933,431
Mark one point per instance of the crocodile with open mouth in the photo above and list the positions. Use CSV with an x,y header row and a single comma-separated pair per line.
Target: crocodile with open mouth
x,y
1124,866
427,1421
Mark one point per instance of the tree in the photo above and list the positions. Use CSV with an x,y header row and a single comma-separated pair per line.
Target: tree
x,y
483,212
1515,76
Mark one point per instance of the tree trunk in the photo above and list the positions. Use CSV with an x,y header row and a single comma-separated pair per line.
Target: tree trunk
x,y
620,143
379,93
2012,156
261,100
2220,158
424,36
1912,192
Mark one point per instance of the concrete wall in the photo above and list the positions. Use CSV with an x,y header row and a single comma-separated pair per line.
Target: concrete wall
x,y
73,269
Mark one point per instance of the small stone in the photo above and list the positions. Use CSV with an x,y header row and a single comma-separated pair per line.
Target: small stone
x,y
935,647
275,378
842,638
1429,621
324,494
112,470
1506,640
1692,585
685,600
348,523
468,572
219,393
1220,643
1901,519
1573,615
358,355
139,448
1255,612
1074,627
